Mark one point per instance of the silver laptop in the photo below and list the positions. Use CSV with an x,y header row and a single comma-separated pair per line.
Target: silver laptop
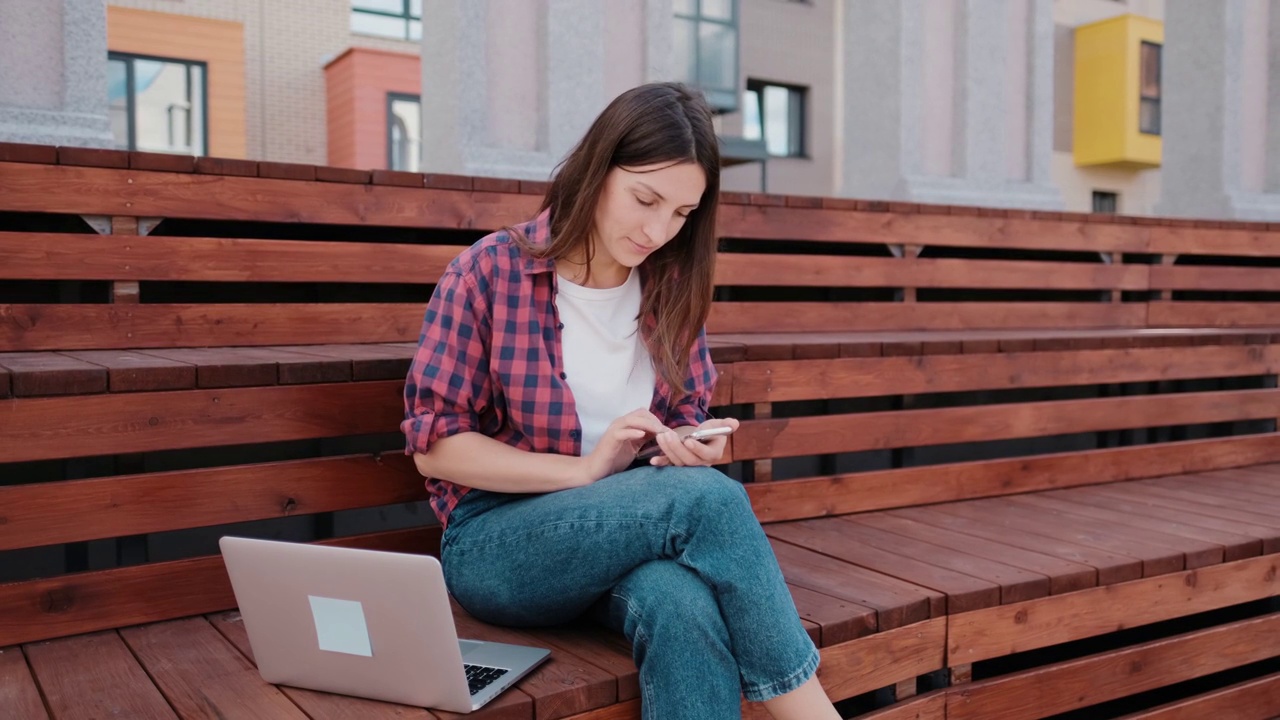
x,y
366,623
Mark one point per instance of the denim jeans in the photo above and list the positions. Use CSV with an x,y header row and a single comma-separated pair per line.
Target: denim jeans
x,y
673,558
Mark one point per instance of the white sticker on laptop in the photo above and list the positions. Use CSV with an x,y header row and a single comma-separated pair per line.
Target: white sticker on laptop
x,y
340,626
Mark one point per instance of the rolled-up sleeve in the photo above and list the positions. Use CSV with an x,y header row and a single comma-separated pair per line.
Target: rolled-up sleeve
x,y
447,387
692,407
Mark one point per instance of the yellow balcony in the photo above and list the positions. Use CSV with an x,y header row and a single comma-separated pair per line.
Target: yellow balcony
x,y
1117,92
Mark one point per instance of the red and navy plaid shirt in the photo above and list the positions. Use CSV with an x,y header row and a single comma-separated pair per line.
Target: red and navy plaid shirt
x,y
489,360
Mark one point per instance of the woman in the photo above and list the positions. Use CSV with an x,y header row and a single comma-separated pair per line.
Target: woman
x,y
536,343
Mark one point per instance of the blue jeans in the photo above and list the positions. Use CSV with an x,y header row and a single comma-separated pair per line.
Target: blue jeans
x,y
673,558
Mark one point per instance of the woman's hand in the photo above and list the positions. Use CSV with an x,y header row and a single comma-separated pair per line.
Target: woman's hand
x,y
619,445
680,451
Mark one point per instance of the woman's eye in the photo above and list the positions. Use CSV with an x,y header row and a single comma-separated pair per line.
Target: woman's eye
x,y
645,203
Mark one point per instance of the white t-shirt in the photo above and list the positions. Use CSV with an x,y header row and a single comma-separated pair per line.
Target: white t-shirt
x,y
606,363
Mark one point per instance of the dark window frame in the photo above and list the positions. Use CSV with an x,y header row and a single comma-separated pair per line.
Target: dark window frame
x,y
392,97
721,99
757,86
131,94
1143,97
1106,201
405,14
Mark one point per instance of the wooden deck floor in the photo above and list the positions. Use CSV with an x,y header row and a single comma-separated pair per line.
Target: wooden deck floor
x,y
851,577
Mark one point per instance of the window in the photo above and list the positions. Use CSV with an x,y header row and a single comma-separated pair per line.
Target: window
x,y
1105,202
157,105
400,19
1149,110
707,49
774,113
404,132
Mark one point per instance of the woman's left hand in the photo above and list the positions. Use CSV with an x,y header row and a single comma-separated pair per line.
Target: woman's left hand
x,y
680,451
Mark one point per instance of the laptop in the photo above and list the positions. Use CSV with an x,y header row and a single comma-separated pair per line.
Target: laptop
x,y
365,623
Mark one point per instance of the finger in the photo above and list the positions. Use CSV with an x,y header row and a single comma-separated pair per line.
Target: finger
x,y
659,461
676,450
707,452
644,420
731,423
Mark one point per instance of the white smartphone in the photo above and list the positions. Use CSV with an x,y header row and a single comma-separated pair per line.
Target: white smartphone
x,y
699,435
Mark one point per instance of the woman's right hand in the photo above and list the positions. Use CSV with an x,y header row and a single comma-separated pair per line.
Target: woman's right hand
x,y
620,444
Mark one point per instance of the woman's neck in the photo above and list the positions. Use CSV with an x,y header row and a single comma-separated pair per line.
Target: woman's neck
x,y
605,272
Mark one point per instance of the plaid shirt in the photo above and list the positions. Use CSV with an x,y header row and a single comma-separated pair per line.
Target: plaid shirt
x,y
489,360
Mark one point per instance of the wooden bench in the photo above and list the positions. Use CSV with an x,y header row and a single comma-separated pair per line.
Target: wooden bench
x,y
230,354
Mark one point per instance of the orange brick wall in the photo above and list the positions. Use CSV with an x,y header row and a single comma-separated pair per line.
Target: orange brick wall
x,y
356,86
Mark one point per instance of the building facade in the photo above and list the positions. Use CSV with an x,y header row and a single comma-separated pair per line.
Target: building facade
x,y
1074,104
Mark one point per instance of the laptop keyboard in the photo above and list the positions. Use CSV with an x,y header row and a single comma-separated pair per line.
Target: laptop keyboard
x,y
480,677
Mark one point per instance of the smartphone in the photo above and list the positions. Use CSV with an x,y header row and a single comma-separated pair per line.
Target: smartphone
x,y
700,435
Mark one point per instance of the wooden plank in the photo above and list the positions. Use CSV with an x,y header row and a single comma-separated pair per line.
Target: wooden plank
x,y
874,377
1215,241
129,371
67,256
1264,482
1111,567
746,317
882,228
841,494
1211,314
853,432
1263,500
93,676
318,705
879,660
775,269
1261,525
42,373
1209,277
244,366
839,620
896,603
1204,496
1257,699
18,691
368,362
1059,575
602,648
1006,513
1197,551
1009,629
46,428
203,675
838,540
1236,545
32,515
932,706
96,191
86,602
1099,678
629,710
105,327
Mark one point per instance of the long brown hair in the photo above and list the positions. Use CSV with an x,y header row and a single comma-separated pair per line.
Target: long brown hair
x,y
648,125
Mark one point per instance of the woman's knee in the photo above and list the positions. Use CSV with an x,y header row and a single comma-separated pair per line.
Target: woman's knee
x,y
663,597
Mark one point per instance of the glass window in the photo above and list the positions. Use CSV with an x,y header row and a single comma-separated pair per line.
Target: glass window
x,y
775,113
157,105
1105,202
404,132
1149,107
400,19
706,49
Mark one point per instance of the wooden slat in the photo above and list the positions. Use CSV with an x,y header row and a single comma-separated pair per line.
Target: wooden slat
x,y
1212,314
835,539
839,620
129,371
841,494
18,691
745,317
1263,525
932,706
97,191
35,374
368,362
203,675
854,432
875,377
86,602
1009,629
1205,496
244,366
77,510
106,327
872,662
318,705
1250,700
629,710
896,603
1216,241
1261,496
1211,277
777,223
67,256
95,676
44,428
1111,567
1095,679
778,270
